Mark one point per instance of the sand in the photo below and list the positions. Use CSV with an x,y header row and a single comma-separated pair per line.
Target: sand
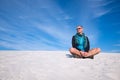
x,y
57,65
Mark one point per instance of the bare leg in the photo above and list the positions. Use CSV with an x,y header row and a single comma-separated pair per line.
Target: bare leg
x,y
92,52
74,51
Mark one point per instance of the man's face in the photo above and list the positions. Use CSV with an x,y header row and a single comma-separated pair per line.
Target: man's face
x,y
79,29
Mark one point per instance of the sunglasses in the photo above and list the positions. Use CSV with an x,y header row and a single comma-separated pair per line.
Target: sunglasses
x,y
79,28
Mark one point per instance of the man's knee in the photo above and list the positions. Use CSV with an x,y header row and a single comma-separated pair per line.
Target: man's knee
x,y
98,50
72,50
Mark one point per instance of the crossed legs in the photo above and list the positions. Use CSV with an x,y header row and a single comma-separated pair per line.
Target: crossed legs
x,y
82,54
74,51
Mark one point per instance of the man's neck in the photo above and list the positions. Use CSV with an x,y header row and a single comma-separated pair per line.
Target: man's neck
x,y
80,33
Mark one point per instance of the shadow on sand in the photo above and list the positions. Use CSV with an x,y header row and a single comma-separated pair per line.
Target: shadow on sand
x,y
69,56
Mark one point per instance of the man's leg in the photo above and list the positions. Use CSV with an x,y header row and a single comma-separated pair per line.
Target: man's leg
x,y
91,52
74,51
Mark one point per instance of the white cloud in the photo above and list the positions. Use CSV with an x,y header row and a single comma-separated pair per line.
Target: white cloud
x,y
118,32
100,3
100,13
115,51
60,33
93,39
25,42
45,13
98,7
25,45
20,40
67,17
117,45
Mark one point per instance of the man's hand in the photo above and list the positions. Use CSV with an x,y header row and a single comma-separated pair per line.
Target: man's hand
x,y
84,54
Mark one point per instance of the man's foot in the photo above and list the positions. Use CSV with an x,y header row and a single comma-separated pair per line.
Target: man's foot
x,y
79,55
83,54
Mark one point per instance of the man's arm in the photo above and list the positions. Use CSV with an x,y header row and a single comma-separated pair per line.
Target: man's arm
x,y
88,45
73,42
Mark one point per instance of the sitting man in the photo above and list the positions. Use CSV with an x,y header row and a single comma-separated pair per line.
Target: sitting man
x,y
80,45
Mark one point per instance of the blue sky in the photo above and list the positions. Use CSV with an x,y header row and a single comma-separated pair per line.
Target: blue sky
x,y
50,24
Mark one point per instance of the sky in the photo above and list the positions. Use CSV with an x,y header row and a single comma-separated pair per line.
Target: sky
x,y
50,24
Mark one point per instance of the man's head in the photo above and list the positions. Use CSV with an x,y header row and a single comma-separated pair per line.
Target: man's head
x,y
79,29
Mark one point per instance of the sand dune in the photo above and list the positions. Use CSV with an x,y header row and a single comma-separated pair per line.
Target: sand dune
x,y
57,65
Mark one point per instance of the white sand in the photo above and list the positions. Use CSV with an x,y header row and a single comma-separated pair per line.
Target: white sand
x,y
57,65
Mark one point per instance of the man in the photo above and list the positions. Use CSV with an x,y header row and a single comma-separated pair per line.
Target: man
x,y
80,45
